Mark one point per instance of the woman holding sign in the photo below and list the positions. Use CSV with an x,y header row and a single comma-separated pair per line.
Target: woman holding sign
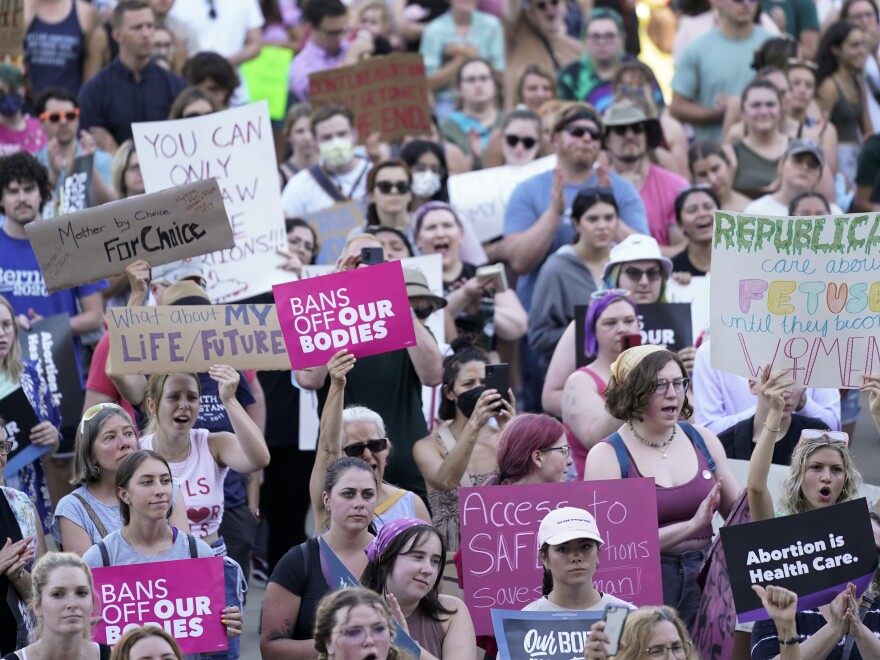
x,y
648,389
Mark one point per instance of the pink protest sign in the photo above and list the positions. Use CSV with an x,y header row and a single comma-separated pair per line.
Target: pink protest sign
x,y
499,542
185,597
365,310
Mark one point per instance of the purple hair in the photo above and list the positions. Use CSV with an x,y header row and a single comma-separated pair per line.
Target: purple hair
x,y
426,208
594,311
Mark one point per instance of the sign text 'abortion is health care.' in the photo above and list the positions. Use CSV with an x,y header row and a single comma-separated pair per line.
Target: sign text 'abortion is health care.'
x,y
499,541
190,338
797,293
236,147
161,227
185,597
815,554
365,310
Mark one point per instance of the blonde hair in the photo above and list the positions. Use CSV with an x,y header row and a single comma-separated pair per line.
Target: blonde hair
x,y
347,599
122,650
118,166
12,363
153,392
792,499
40,577
640,625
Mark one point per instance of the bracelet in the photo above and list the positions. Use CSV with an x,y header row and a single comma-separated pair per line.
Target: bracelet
x,y
797,639
766,428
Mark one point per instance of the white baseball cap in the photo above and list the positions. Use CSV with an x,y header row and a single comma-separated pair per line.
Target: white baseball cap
x,y
636,247
567,524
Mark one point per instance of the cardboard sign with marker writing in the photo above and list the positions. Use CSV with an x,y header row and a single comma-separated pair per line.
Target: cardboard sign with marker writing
x,y
11,27
333,225
387,94
162,227
190,338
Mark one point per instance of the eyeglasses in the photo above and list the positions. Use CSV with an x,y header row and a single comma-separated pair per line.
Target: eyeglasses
x,y
831,436
212,10
565,449
581,131
94,410
297,243
56,117
679,385
635,274
513,140
385,187
542,5
678,650
596,295
358,634
356,449
637,129
5,447
602,37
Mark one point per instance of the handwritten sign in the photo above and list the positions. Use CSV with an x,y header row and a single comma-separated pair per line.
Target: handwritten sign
x,y
235,146
187,339
333,226
387,94
365,310
499,527
797,293
160,227
11,27
815,554
185,597
545,635
480,197
49,343
18,414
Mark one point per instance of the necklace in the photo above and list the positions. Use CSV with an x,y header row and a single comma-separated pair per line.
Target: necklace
x,y
155,548
660,446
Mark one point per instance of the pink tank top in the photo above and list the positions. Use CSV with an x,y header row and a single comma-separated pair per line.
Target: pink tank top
x,y
201,481
578,451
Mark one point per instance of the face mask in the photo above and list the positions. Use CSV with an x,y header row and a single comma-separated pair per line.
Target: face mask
x,y
10,104
337,152
425,184
467,401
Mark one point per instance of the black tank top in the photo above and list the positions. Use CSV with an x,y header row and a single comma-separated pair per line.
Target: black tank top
x,y
54,53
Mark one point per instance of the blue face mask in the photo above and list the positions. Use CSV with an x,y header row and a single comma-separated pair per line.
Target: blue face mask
x,y
10,104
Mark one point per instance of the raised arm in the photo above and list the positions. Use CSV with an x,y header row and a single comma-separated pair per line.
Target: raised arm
x,y
244,450
562,365
872,386
425,356
583,409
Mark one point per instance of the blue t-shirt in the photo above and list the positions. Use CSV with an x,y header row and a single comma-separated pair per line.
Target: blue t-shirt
x,y
532,197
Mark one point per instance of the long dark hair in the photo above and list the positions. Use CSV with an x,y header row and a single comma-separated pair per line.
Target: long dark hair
x,y
826,60
414,150
127,468
464,350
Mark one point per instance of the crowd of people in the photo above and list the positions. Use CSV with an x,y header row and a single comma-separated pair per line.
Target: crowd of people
x,y
771,109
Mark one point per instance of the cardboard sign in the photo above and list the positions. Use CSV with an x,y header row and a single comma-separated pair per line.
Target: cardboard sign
x,y
815,554
185,597
365,310
333,225
49,343
11,27
237,147
190,338
546,635
480,197
388,94
666,324
798,293
499,542
161,227
76,193
18,414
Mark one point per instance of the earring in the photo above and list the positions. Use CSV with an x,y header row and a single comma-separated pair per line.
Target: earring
x,y
97,470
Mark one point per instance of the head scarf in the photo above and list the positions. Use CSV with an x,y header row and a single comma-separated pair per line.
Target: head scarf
x,y
630,359
388,533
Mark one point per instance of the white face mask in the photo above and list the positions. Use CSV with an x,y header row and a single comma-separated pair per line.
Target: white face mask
x,y
425,184
337,152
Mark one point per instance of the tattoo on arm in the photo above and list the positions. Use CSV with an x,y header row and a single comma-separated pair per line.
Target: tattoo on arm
x,y
285,632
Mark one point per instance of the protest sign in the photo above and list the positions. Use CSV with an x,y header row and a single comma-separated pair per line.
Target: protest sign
x,y
160,227
11,27
480,197
184,597
235,146
388,94
365,310
76,193
547,635
499,527
333,225
666,324
797,293
189,339
19,418
49,343
815,554
266,78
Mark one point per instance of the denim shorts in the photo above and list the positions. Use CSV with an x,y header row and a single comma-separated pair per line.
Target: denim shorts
x,y
849,406
680,589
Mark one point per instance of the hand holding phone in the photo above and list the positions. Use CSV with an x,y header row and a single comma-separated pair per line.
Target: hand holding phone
x,y
498,378
614,618
370,256
628,341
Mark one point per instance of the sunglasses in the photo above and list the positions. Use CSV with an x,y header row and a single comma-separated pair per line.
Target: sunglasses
x,y
623,293
385,187
513,140
831,436
635,274
581,131
542,5
55,117
356,449
94,410
637,129
5,447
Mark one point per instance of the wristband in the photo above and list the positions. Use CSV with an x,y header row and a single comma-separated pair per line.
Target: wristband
x,y
766,428
797,639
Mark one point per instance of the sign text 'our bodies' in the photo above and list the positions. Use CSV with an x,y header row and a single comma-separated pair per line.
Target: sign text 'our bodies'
x,y
363,322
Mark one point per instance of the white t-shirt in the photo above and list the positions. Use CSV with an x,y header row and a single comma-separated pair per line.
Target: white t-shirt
x,y
224,34
544,604
767,205
303,194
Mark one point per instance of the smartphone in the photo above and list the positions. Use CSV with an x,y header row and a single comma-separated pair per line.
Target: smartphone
x,y
493,276
614,618
371,256
628,341
498,378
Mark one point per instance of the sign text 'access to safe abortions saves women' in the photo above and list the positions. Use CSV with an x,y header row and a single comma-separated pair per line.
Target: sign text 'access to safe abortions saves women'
x,y
365,310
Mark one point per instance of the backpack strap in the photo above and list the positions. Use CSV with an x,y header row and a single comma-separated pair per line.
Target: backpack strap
x,y
326,184
620,450
105,556
697,439
193,549
92,515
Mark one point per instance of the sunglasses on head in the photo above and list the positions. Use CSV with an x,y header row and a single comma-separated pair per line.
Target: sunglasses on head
x,y
609,292
513,140
831,436
94,410
56,117
385,187
356,449
637,129
581,131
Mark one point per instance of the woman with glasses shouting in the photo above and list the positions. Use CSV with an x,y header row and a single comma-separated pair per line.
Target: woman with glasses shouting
x,y
357,432
648,390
